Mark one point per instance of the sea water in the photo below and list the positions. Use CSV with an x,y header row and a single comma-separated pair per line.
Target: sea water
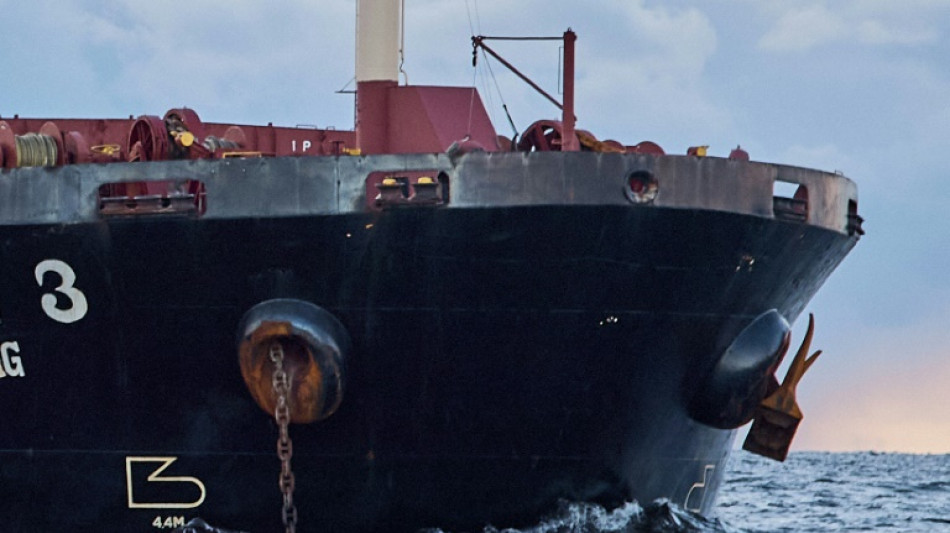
x,y
809,492
867,491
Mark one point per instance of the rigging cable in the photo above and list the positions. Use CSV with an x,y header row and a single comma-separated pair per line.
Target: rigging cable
x,y
491,73
500,95
471,102
468,11
402,42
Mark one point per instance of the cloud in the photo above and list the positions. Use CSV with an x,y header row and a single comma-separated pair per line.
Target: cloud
x,y
799,28
878,33
251,61
641,66
647,64
803,29
258,62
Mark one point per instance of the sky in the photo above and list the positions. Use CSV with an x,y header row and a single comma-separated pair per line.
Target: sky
x,y
857,86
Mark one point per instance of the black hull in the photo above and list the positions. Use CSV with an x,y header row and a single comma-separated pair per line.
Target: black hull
x,y
504,358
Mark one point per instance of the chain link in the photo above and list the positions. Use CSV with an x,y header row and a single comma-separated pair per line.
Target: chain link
x,y
285,449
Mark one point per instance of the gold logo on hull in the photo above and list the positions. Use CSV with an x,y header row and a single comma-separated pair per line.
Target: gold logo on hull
x,y
155,477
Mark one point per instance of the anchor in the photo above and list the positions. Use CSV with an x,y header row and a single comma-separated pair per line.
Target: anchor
x,y
777,417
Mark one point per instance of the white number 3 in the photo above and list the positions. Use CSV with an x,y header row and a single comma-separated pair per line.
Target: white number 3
x,y
77,300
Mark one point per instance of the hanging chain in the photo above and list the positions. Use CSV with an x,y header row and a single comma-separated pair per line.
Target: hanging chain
x,y
284,446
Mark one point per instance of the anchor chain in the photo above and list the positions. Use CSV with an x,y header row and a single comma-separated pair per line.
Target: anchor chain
x,y
285,451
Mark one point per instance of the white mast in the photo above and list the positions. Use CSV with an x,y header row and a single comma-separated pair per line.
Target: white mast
x,y
378,33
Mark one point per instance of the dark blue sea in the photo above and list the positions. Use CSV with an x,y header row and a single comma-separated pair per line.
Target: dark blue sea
x,y
810,491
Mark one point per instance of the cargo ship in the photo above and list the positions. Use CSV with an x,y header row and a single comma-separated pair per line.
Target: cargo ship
x,y
440,327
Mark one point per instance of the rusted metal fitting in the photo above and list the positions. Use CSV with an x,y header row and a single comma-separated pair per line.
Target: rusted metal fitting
x,y
314,345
